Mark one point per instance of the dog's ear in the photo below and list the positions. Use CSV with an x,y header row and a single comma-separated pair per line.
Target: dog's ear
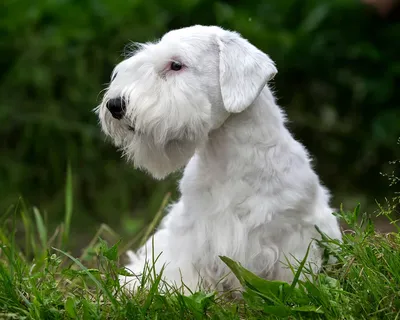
x,y
244,70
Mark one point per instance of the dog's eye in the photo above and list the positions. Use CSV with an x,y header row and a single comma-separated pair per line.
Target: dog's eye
x,y
176,66
113,76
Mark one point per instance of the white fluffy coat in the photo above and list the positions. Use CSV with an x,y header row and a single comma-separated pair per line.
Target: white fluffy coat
x,y
248,190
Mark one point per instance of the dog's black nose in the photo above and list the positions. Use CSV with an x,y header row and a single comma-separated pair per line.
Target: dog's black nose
x,y
116,107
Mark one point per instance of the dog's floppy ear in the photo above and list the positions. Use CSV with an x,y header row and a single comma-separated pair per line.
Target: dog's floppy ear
x,y
244,70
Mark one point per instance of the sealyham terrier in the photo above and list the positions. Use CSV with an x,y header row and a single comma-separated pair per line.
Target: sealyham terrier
x,y
199,98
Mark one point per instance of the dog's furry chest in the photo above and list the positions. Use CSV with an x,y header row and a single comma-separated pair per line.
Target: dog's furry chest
x,y
247,219
254,194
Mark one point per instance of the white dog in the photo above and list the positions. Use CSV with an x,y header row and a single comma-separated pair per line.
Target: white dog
x,y
199,97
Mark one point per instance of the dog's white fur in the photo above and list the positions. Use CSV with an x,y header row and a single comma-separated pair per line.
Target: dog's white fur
x,y
248,190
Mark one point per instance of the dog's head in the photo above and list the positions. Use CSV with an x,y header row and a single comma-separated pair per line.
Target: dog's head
x,y
167,96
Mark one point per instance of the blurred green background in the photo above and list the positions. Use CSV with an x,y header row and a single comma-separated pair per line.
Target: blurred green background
x,y
338,80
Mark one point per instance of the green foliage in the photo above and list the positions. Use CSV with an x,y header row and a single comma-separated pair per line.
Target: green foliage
x,y
338,73
364,283
273,297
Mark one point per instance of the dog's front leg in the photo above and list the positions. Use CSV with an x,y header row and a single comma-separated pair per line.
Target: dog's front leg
x,y
165,255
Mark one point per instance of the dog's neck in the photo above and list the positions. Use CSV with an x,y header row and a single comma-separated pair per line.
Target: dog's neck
x,y
255,130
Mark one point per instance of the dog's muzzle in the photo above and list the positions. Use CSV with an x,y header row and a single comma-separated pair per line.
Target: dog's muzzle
x,y
116,107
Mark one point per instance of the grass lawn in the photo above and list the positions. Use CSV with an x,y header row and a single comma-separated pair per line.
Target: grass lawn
x,y
43,281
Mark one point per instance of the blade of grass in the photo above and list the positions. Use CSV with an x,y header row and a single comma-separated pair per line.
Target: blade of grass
x,y
156,220
103,228
12,247
301,267
40,228
30,246
90,275
68,207
7,214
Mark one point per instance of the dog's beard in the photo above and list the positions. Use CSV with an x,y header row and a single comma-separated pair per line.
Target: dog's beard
x,y
159,160
157,151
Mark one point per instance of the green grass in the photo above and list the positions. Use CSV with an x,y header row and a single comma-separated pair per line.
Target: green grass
x,y
40,279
